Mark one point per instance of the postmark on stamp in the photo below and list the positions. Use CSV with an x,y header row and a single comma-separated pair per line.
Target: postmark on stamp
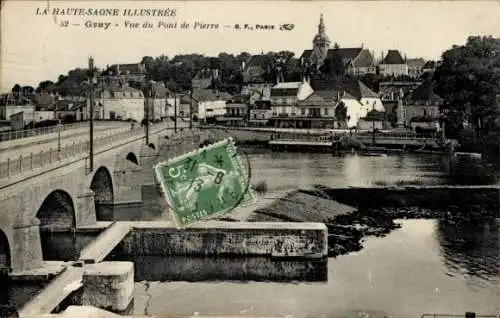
x,y
206,182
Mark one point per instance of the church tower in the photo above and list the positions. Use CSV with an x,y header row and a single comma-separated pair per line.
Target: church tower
x,y
321,44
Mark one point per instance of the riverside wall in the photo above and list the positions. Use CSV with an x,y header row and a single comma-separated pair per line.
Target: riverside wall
x,y
431,197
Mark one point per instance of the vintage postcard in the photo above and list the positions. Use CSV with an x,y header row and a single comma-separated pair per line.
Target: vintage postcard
x,y
250,158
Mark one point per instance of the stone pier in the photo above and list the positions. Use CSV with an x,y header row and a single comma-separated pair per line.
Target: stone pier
x,y
27,251
86,206
108,285
127,189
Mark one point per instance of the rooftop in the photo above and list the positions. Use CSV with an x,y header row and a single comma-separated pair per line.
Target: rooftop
x,y
393,57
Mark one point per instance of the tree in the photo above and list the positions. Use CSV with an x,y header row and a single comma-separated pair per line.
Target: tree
x,y
27,90
45,87
468,79
16,91
341,112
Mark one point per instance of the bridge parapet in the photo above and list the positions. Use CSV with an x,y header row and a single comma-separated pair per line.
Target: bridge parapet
x,y
46,159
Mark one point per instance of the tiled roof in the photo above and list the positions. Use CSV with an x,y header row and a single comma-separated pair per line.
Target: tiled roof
x,y
345,53
393,57
364,59
366,92
415,63
255,68
327,94
348,96
354,87
43,99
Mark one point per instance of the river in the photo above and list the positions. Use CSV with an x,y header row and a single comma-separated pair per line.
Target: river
x,y
426,266
423,267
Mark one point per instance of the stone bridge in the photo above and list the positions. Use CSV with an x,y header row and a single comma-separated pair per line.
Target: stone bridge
x,y
59,191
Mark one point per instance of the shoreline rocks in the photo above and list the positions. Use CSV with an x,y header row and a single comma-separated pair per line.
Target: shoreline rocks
x,y
348,225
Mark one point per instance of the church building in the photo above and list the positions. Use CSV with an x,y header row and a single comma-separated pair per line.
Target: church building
x,y
354,61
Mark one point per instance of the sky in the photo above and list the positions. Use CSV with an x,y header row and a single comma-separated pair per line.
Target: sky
x,y
36,47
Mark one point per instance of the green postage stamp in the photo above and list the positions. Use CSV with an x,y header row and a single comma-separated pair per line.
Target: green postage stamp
x,y
208,181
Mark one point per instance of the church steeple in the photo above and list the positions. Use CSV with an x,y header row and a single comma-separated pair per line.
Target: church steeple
x,y
321,26
321,44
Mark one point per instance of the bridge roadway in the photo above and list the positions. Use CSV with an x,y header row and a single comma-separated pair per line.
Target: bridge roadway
x,y
24,147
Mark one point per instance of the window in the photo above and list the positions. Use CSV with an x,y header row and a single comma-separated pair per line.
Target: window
x,y
326,111
254,116
303,111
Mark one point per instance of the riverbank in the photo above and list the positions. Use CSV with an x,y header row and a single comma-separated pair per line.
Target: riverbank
x,y
350,223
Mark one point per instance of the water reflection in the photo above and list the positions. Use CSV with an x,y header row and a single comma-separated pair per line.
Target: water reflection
x,y
471,248
198,269
465,170
284,171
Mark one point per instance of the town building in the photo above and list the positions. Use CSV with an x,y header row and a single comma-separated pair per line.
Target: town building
x,y
204,78
393,64
284,102
31,112
260,113
257,92
421,108
118,103
118,74
358,98
318,110
255,69
158,102
374,120
415,67
204,104
356,61
396,90
237,111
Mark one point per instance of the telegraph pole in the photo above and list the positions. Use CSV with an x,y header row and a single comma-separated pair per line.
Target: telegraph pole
x,y
373,124
191,108
91,122
175,111
149,95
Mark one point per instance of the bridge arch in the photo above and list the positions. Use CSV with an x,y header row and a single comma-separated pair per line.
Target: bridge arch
x,y
5,260
57,211
132,158
102,186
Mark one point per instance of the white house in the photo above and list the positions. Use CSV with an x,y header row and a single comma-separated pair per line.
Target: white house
x,y
393,64
206,104
120,102
358,99
285,99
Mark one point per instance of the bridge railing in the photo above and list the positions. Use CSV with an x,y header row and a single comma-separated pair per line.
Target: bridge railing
x,y
47,157
19,134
